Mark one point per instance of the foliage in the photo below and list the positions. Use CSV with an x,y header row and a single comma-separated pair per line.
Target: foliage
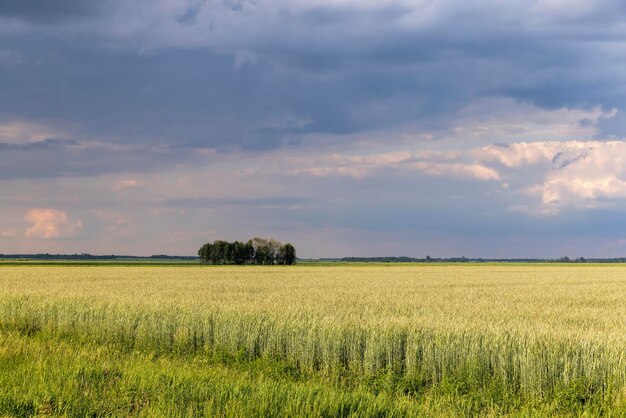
x,y
259,251
286,254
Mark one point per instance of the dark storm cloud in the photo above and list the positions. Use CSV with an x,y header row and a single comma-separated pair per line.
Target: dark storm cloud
x,y
347,69
52,158
49,11
178,97
47,144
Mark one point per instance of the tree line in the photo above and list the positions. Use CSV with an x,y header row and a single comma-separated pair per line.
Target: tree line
x,y
257,250
88,257
430,259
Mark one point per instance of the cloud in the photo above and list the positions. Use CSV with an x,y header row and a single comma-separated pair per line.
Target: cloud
x,y
576,174
432,163
589,176
518,155
222,79
125,184
28,150
459,170
10,57
504,119
116,225
21,132
8,233
50,223
340,101
357,166
48,12
243,25
267,202
550,175
39,145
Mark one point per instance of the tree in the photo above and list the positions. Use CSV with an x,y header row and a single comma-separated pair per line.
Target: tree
x,y
263,251
273,247
229,253
281,255
205,253
255,251
248,253
286,255
242,253
219,252
238,255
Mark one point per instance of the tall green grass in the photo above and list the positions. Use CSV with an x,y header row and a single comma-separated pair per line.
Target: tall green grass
x,y
510,336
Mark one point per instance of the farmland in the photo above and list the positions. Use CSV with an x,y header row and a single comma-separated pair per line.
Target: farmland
x,y
401,340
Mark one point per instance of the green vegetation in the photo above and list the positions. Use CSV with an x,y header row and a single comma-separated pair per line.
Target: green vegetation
x,y
258,251
401,340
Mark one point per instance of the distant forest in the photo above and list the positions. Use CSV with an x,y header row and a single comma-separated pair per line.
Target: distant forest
x,y
86,257
429,259
277,260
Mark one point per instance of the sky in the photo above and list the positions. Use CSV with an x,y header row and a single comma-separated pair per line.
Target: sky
x,y
446,128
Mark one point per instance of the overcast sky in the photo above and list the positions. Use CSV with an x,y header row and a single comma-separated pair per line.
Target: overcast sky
x,y
350,128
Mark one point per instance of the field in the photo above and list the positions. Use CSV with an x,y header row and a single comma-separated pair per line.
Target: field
x,y
354,340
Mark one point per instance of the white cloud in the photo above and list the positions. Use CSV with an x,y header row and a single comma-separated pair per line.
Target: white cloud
x,y
579,174
50,223
521,154
588,177
433,163
459,170
549,175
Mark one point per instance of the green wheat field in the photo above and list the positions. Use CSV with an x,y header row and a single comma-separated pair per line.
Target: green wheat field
x,y
347,340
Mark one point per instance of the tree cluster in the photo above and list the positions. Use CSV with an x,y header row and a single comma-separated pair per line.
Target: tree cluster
x,y
256,251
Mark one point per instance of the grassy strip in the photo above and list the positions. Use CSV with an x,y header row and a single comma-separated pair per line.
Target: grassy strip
x,y
57,378
500,363
43,376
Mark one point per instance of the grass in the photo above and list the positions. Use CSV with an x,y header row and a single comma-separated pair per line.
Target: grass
x,y
401,340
